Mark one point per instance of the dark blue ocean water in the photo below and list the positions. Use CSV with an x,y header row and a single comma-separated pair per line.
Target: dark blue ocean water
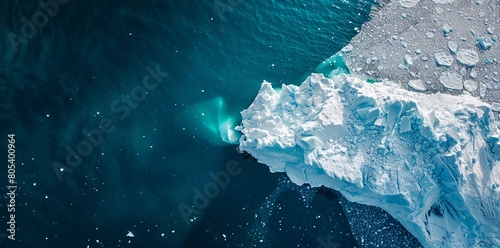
x,y
203,62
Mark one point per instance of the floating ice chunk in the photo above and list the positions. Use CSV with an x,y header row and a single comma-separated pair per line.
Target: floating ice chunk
x,y
468,57
130,234
470,85
473,73
429,35
446,29
451,80
482,90
443,59
490,30
453,46
484,42
417,85
408,60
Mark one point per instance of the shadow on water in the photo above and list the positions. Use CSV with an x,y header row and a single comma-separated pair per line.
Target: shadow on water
x,y
263,209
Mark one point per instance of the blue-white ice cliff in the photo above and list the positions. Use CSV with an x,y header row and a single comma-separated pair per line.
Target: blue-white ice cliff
x,y
431,161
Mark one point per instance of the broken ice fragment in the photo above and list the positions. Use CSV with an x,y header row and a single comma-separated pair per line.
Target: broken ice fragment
x,y
451,80
417,84
453,46
484,42
468,57
470,85
443,59
394,113
408,60
446,29
473,73
405,125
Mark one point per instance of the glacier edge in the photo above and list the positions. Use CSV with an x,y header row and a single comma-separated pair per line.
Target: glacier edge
x,y
431,161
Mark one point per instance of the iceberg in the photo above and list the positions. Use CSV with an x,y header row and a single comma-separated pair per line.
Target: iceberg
x,y
432,161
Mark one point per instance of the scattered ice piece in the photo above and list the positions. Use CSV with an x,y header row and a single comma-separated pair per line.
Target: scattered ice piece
x,y
451,80
130,234
446,29
482,90
453,46
467,57
443,59
404,44
418,51
417,84
473,73
484,42
408,60
490,30
470,85
429,35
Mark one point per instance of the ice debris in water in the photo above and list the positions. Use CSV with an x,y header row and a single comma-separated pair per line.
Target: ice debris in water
x,y
432,161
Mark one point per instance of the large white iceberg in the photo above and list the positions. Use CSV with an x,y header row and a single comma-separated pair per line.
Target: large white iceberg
x,y
432,161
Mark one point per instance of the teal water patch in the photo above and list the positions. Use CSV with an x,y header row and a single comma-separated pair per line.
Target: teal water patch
x,y
332,66
210,121
336,65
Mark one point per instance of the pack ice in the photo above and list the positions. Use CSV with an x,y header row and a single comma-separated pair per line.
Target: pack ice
x,y
432,161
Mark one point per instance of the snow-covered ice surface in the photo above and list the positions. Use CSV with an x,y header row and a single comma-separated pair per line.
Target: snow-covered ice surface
x,y
455,37
432,161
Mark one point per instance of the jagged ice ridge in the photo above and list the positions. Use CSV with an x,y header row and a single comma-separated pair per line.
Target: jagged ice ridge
x,y
432,161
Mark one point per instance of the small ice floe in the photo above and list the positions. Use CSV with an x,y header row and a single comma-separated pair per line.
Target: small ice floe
x,y
470,85
130,234
467,57
451,80
417,84
443,59
453,46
